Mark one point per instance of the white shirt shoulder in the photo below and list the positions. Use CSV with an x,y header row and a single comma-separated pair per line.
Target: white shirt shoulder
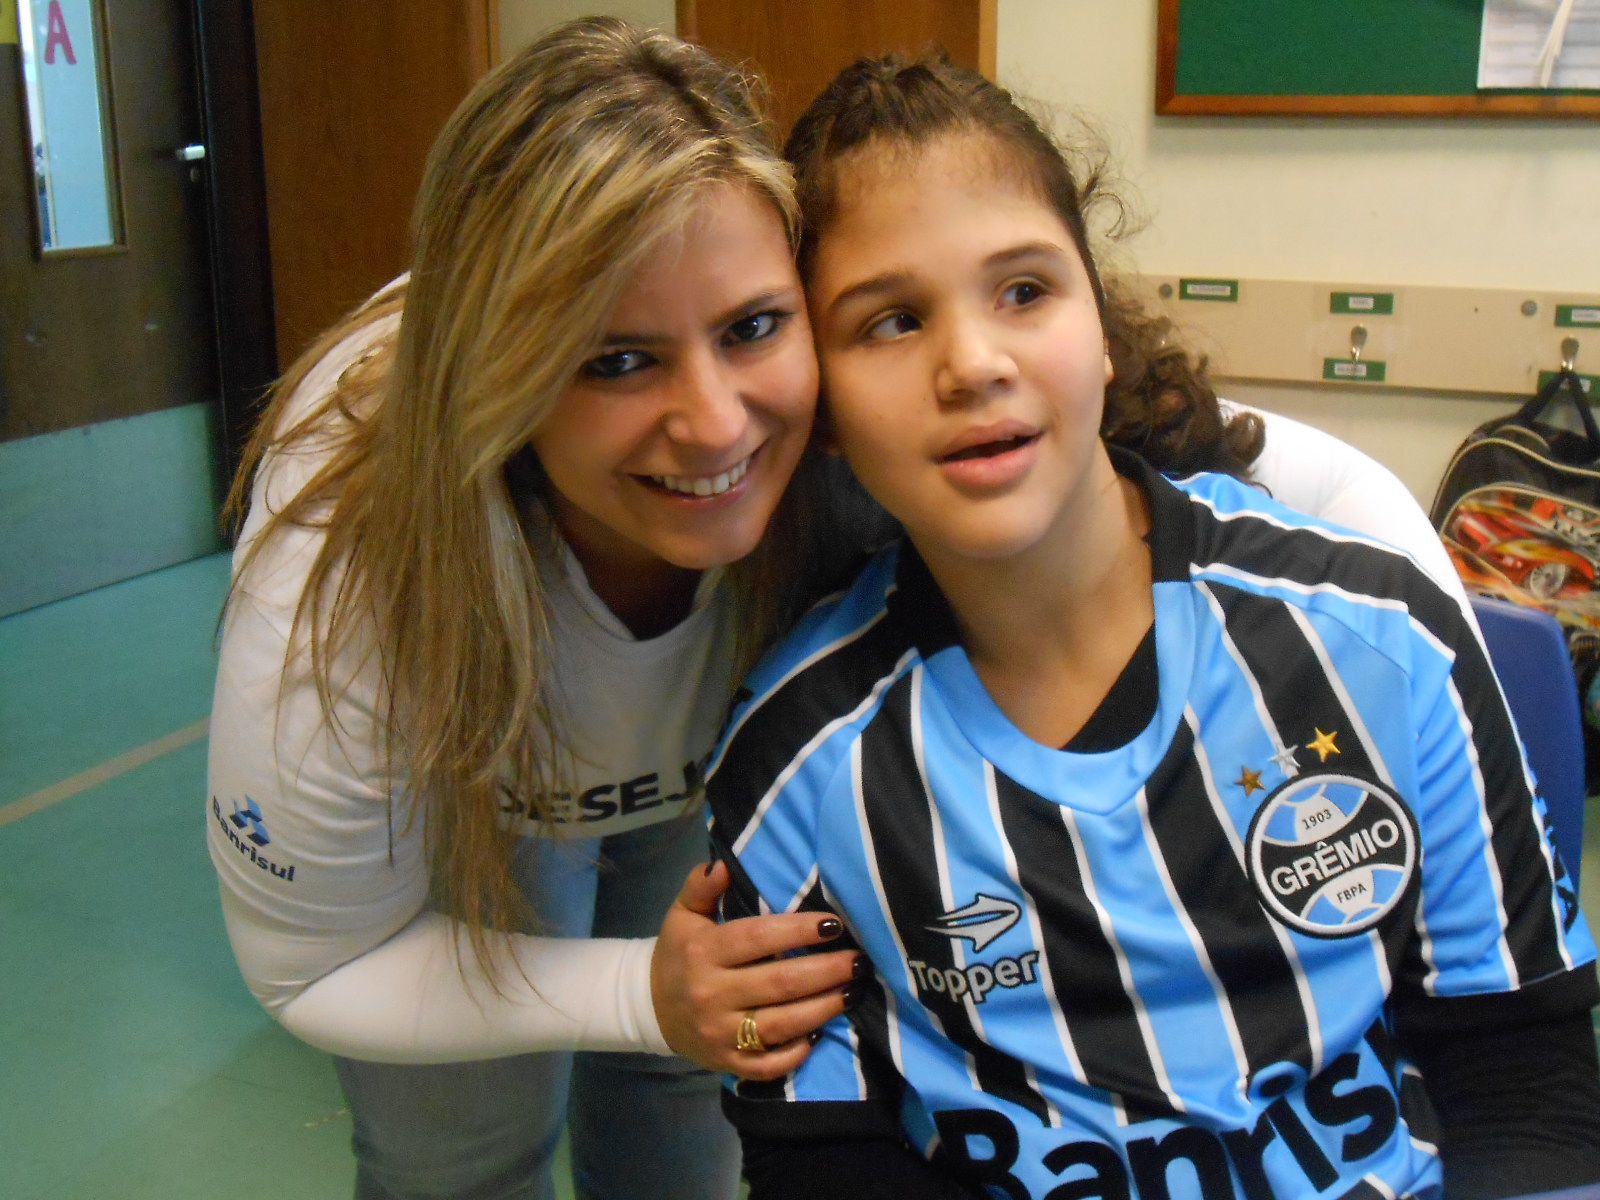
x,y
1317,474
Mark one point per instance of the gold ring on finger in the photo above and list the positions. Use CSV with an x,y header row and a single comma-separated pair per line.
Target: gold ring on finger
x,y
749,1037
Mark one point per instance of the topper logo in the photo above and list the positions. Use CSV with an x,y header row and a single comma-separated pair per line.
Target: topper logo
x,y
980,922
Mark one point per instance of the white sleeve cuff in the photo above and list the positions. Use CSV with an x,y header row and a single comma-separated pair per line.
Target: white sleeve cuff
x,y
420,997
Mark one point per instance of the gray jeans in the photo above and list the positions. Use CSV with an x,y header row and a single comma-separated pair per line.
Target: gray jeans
x,y
641,1126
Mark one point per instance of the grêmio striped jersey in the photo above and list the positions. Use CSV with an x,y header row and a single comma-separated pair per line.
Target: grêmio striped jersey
x,y
1171,968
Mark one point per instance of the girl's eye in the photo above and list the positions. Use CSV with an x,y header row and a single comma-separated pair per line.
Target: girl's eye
x,y
1023,294
754,328
894,325
616,364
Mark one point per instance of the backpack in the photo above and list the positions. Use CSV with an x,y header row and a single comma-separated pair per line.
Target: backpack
x,y
1519,511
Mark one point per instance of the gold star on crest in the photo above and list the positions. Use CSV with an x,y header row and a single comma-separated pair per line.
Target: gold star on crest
x,y
1250,781
1323,744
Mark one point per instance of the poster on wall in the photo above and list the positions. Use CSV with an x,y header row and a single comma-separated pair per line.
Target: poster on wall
x,y
69,120
1540,44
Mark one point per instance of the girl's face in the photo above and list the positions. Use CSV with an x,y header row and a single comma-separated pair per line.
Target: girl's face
x,y
962,354
673,445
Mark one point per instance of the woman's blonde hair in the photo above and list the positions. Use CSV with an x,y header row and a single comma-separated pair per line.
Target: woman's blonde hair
x,y
545,191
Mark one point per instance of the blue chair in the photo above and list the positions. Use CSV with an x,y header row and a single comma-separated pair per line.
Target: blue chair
x,y
1529,653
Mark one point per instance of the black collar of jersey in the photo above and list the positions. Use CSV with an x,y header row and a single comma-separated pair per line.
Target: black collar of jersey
x,y
920,608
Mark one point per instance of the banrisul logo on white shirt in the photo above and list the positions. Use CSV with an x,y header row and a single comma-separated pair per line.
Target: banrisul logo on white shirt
x,y
1331,855
246,828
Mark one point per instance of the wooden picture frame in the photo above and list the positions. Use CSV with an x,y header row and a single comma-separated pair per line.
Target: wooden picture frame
x,y
1422,73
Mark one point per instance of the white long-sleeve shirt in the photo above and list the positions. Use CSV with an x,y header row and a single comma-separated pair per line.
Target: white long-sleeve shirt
x,y
322,866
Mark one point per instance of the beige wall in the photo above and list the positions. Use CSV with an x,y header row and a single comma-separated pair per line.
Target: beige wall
x,y
1468,203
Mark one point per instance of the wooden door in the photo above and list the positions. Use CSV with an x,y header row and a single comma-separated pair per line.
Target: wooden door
x,y
353,94
109,379
800,45
88,336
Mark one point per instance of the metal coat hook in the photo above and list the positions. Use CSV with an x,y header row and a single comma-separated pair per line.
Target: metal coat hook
x,y
1358,342
1569,353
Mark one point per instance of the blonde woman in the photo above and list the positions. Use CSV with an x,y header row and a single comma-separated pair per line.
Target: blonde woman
x,y
502,564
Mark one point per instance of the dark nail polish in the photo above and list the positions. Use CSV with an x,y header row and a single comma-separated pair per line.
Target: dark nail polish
x,y
860,969
854,994
814,1036
830,927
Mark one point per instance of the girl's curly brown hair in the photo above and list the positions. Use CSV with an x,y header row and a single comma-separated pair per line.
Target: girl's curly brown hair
x,y
1160,403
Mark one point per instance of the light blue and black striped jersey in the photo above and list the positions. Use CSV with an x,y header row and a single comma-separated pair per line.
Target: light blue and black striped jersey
x,y
1172,968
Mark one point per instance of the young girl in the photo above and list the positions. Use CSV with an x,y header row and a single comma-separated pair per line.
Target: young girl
x,y
481,639
1189,838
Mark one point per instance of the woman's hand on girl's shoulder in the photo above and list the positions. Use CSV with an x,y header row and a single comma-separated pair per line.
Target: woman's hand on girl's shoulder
x,y
706,979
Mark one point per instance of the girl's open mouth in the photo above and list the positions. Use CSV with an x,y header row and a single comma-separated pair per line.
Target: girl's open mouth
x,y
991,449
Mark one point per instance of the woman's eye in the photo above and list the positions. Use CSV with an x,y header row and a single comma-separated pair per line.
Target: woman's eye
x,y
894,325
1023,294
754,328
616,364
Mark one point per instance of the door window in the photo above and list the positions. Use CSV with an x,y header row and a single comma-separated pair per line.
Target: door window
x,y
76,193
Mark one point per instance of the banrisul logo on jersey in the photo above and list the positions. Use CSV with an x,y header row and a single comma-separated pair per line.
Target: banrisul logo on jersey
x,y
1331,855
246,828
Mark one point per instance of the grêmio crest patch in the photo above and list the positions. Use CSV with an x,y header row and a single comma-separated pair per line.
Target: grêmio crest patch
x,y
1331,855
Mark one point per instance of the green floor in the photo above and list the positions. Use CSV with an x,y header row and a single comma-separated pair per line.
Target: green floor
x,y
133,1063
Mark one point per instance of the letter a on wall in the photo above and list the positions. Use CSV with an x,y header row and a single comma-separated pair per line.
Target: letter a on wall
x,y
57,37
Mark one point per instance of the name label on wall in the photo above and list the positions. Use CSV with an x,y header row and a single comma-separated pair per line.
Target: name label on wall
x,y
1224,291
1379,304
1347,370
1590,382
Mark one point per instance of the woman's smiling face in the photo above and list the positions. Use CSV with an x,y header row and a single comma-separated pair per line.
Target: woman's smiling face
x,y
675,442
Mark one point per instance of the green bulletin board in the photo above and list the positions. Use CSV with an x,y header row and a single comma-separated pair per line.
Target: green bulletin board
x,y
1345,58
